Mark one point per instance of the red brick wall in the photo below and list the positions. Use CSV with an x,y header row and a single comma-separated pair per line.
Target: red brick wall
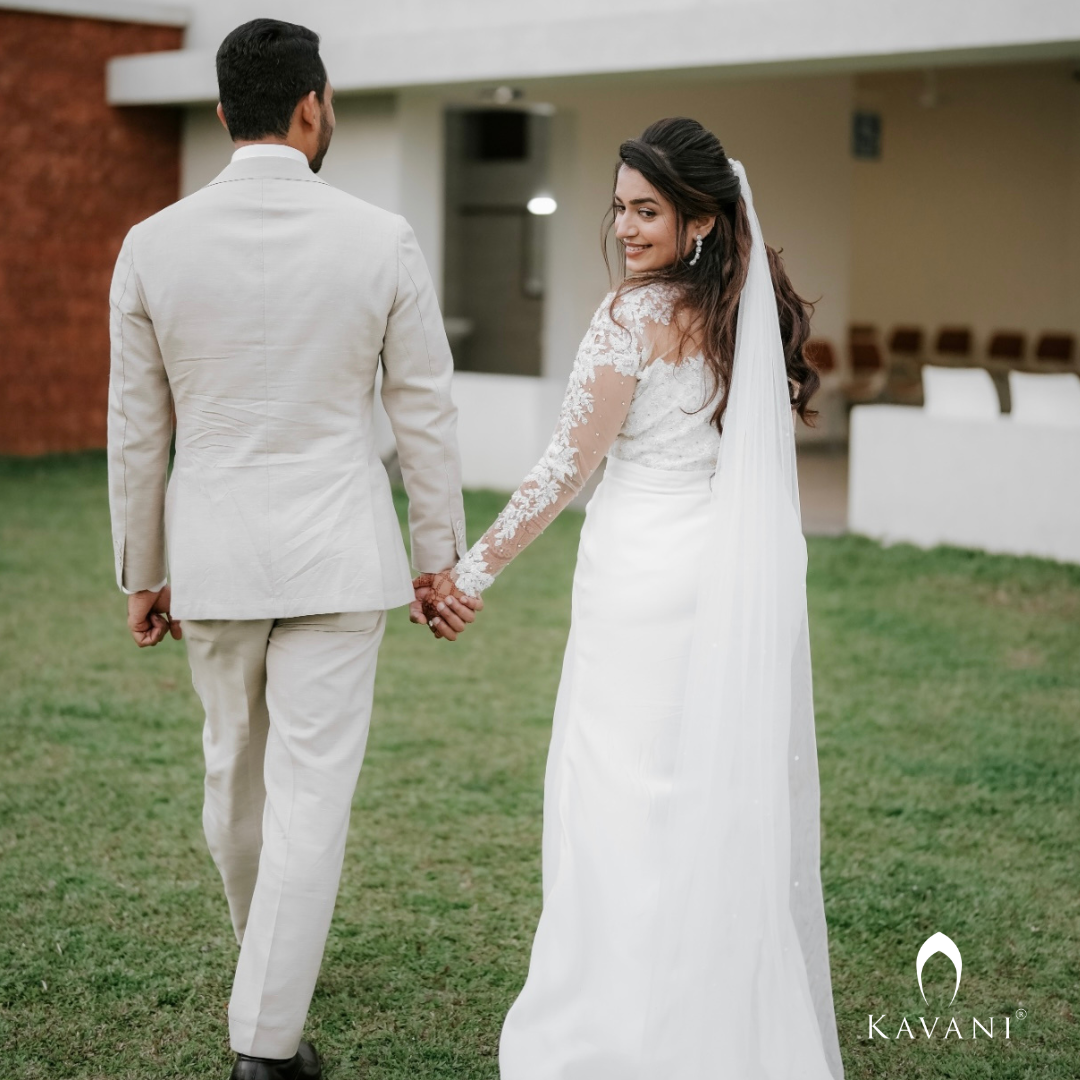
x,y
75,175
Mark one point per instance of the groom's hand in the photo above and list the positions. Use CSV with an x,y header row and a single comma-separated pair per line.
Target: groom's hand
x,y
148,617
442,606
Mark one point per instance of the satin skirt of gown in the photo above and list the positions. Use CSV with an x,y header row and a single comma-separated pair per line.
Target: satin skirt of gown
x,y
587,1007
581,1013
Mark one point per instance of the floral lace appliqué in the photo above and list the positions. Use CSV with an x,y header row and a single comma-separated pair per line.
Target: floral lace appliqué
x,y
471,571
615,343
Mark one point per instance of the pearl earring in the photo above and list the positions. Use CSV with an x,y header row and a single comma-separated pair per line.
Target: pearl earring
x,y
697,251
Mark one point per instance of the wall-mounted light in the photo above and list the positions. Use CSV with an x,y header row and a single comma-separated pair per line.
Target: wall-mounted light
x,y
542,205
930,97
501,95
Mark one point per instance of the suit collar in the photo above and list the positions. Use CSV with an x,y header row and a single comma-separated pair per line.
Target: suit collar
x,y
266,168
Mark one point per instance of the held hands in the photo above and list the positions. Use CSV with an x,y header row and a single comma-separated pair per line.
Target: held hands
x,y
439,604
148,617
442,606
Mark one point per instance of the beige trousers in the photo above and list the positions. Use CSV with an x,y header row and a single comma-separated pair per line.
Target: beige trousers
x,y
288,706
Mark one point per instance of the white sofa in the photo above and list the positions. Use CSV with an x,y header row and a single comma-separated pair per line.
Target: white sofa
x,y
958,472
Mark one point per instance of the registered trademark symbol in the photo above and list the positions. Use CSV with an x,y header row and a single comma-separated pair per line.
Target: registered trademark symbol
x,y
1021,1013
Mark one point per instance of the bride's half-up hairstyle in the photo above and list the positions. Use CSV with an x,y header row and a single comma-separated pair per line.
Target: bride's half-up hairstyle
x,y
688,166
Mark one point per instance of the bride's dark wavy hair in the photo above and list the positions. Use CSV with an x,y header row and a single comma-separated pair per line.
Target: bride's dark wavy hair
x,y
687,165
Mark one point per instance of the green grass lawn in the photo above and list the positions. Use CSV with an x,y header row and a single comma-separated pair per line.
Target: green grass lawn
x,y
948,695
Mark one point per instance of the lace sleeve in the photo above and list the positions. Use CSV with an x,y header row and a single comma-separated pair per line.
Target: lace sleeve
x,y
593,411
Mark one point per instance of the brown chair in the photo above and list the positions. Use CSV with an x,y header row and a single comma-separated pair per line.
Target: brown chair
x,y
1007,345
821,355
862,332
866,358
953,341
868,373
1060,348
906,341
906,357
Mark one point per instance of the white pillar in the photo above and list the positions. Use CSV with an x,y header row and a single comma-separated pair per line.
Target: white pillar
x,y
562,331
1074,220
422,132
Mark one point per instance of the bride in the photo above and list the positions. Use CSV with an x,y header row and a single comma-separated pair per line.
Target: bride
x,y
683,932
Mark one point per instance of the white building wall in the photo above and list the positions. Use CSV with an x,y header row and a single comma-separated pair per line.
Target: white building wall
x,y
972,215
366,154
1074,212
365,159
504,422
839,222
570,285
422,133
205,148
993,484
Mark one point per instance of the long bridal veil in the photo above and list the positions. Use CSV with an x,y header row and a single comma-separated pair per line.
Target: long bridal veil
x,y
741,949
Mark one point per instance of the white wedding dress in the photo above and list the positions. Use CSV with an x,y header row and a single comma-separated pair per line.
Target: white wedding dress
x,y
682,934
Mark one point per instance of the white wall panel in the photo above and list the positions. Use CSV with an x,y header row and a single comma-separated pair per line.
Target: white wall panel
x,y
992,484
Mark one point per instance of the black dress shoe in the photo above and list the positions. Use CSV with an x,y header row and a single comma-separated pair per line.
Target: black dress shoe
x,y
304,1065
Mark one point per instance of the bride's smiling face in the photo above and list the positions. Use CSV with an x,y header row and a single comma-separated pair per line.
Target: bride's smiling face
x,y
645,223
647,226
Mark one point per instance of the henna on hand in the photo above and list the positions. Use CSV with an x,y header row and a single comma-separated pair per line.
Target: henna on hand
x,y
440,588
442,606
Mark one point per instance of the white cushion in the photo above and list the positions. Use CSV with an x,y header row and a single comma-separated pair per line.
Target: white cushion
x,y
1045,399
960,393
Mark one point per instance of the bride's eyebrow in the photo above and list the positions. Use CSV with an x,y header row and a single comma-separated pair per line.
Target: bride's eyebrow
x,y
642,202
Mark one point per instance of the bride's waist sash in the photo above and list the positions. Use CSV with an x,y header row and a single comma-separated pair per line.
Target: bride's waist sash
x,y
657,481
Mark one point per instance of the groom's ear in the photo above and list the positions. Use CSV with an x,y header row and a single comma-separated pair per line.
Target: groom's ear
x,y
309,111
221,117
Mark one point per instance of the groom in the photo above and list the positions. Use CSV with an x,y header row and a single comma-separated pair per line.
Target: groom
x,y
259,309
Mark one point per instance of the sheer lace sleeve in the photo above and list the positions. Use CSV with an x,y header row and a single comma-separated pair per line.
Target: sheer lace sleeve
x,y
597,401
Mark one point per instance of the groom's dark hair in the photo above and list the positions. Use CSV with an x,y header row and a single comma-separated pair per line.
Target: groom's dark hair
x,y
264,68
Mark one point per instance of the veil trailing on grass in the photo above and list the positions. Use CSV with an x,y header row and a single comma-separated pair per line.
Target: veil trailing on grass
x,y
741,941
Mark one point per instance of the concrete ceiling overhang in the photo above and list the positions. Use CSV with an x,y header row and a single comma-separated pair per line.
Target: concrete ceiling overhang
x,y
787,36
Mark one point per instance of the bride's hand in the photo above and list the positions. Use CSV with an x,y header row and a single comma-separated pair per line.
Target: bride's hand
x,y
442,605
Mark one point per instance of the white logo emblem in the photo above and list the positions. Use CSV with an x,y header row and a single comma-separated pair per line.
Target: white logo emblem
x,y
939,943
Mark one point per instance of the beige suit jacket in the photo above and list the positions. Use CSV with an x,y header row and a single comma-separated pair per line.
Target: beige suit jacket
x,y
259,309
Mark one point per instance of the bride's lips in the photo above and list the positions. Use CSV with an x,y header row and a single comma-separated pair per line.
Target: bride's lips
x,y
635,249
